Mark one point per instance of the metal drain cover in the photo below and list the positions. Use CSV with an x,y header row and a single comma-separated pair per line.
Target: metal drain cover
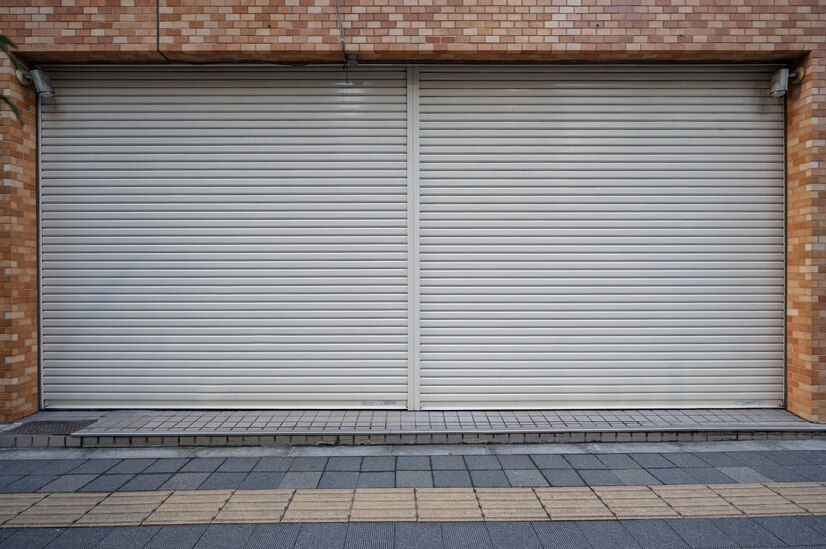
x,y
48,428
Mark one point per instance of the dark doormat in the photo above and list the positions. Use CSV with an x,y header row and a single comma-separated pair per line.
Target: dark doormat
x,y
48,428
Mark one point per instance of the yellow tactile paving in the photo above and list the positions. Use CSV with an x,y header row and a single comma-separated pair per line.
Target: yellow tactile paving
x,y
448,504
573,504
510,504
190,507
320,506
250,506
408,504
380,504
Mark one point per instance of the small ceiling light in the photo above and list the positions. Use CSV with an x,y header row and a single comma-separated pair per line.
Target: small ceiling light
x,y
40,80
781,78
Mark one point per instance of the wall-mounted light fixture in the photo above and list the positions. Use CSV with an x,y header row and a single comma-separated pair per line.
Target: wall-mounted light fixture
x,y
781,79
39,79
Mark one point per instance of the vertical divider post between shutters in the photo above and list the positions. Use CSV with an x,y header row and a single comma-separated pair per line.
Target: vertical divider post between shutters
x,y
413,235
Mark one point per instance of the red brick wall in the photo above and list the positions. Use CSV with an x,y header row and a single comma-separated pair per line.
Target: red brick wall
x,y
492,30
18,252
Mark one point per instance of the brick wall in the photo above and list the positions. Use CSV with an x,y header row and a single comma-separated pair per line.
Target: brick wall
x,y
486,30
18,252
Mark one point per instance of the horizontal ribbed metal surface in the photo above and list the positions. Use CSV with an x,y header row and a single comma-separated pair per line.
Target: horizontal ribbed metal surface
x,y
601,237
230,237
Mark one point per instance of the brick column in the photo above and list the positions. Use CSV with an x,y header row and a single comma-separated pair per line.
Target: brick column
x,y
806,248
18,251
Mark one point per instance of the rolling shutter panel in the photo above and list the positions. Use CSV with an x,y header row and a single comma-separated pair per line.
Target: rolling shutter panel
x,y
230,237
601,237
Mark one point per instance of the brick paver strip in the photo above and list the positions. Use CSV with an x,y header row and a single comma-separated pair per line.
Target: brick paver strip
x,y
409,504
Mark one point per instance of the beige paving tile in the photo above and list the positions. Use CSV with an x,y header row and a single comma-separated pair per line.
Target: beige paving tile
x,y
190,507
319,506
695,501
510,504
390,504
58,510
756,500
12,505
255,506
573,504
809,496
447,504
632,502
124,509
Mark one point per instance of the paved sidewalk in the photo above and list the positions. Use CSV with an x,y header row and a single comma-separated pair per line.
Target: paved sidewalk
x,y
448,466
790,532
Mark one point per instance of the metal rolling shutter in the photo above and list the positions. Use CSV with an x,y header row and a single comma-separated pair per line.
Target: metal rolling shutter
x,y
601,237
230,237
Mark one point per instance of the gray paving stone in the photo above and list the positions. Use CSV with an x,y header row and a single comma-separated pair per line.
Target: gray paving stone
x,y
61,466
562,477
708,475
375,464
817,523
654,534
791,531
167,465
339,479
7,533
130,466
145,481
73,538
273,464
262,481
719,459
635,477
817,457
743,474
202,465
305,479
321,535
525,477
465,535
747,532
308,464
238,465
223,481
106,483
185,481
30,483
21,468
127,537
672,476
605,534
6,480
785,457
487,478
448,463
179,537
814,473
273,536
516,461
701,533
344,463
68,483
414,479
377,479
222,536
451,479
780,473
413,463
418,535
370,535
513,534
684,460
31,538
584,461
560,535
550,461
95,466
482,463
753,458
617,461
651,461
598,477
